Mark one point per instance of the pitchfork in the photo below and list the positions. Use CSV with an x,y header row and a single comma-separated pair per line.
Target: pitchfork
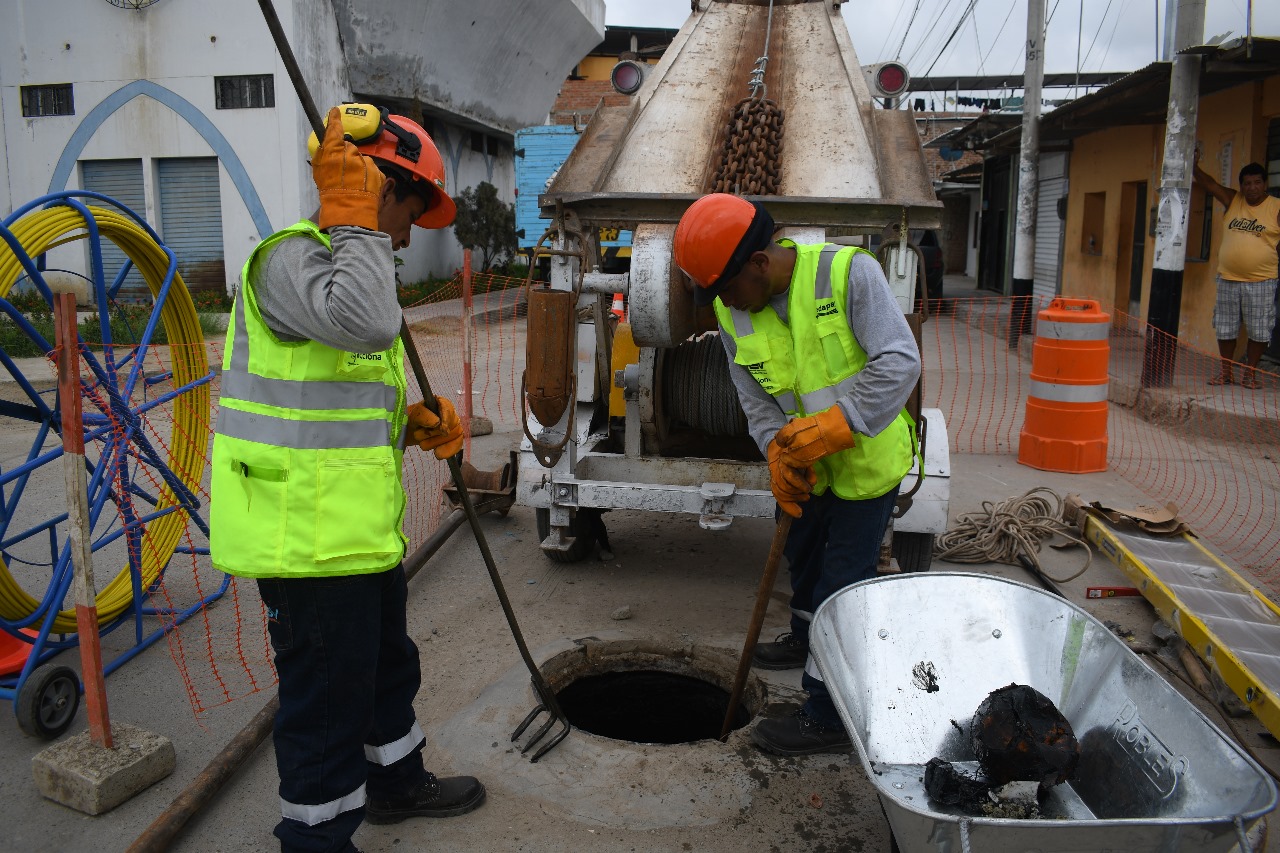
x,y
546,699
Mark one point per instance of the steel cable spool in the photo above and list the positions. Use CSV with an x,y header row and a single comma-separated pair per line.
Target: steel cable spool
x,y
39,231
697,389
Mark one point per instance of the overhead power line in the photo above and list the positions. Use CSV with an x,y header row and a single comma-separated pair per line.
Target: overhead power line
x,y
982,68
1012,6
912,20
1096,33
933,24
1111,38
888,34
972,3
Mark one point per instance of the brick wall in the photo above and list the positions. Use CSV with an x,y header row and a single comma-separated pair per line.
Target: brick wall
x,y
581,97
931,126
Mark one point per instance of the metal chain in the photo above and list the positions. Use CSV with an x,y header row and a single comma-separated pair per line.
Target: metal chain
x,y
749,161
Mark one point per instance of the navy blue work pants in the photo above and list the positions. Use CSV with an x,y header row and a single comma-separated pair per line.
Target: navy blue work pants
x,y
833,544
346,726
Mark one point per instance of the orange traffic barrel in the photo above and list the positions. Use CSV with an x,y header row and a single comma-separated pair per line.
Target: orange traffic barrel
x,y
1065,428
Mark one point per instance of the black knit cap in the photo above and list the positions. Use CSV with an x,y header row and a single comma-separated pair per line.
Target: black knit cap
x,y
757,237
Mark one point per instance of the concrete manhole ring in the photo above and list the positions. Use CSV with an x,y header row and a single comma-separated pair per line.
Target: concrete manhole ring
x,y
649,691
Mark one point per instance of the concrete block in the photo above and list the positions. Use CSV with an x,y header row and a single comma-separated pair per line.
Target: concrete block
x,y
80,774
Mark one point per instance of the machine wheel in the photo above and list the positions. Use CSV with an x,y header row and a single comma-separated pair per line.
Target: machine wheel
x,y
584,539
47,701
913,550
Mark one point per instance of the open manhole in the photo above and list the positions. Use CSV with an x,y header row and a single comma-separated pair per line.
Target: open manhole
x,y
649,691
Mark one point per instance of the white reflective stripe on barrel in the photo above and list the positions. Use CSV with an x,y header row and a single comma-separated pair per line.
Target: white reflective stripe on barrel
x,y
1059,393
1073,331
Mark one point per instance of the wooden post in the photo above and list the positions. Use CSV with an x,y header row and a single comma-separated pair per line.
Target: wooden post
x,y
467,322
77,486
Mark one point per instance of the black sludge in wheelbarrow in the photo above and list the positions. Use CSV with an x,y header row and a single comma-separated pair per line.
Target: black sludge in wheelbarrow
x,y
1018,734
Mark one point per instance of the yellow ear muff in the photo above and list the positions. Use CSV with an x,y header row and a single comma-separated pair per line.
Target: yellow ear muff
x,y
361,124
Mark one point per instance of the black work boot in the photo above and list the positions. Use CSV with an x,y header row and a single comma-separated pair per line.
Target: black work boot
x,y
432,797
786,652
799,734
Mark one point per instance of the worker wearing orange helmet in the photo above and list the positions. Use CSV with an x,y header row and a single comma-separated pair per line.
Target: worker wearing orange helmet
x,y
306,492
823,361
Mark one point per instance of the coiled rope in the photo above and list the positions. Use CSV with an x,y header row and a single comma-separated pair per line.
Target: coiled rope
x,y
1002,531
42,230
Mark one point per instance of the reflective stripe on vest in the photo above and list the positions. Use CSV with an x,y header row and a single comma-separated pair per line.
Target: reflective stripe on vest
x,y
300,434
822,285
240,384
312,815
1060,393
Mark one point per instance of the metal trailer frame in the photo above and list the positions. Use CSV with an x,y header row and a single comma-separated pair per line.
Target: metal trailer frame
x,y
639,167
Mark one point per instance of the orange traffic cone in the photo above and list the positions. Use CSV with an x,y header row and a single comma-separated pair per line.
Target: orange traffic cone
x,y
618,307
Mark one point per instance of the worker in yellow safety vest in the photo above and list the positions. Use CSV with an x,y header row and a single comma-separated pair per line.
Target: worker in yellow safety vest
x,y
823,362
306,495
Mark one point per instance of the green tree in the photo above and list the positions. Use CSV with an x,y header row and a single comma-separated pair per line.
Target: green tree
x,y
484,224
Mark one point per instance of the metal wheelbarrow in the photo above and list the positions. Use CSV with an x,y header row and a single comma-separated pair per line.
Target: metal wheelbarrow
x,y
1154,773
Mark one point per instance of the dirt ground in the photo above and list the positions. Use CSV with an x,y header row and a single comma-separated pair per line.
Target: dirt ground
x,y
683,585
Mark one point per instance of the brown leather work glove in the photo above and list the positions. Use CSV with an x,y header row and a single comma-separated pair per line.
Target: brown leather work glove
x,y
791,486
349,183
806,440
442,434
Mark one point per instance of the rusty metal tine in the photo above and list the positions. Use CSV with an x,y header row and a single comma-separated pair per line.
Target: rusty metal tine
x,y
537,736
551,745
529,718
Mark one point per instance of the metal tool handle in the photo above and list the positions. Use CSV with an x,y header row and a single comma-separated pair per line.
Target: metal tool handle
x,y
291,66
464,497
757,619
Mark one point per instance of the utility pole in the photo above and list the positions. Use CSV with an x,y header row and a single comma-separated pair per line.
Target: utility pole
x,y
1164,307
1024,241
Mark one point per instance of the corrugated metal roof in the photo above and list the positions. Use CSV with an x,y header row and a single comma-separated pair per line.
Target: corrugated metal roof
x,y
1142,97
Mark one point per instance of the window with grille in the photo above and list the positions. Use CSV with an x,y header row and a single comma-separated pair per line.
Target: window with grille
x,y
54,100
244,92
483,143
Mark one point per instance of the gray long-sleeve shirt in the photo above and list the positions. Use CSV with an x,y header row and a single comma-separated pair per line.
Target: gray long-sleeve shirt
x,y
879,390
345,299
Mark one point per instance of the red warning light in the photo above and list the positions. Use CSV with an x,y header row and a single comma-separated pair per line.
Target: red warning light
x,y
892,78
627,77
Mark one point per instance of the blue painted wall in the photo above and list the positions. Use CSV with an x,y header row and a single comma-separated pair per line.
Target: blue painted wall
x,y
545,148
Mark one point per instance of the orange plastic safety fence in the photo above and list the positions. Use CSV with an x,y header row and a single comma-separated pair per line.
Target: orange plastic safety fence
x,y
1212,449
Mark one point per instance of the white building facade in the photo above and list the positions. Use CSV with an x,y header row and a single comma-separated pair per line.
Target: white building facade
x,y
183,111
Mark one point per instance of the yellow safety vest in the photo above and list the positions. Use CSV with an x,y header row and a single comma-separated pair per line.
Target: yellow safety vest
x,y
306,451
807,366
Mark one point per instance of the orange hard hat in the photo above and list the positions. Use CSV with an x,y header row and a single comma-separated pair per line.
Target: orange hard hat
x,y
403,143
715,238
